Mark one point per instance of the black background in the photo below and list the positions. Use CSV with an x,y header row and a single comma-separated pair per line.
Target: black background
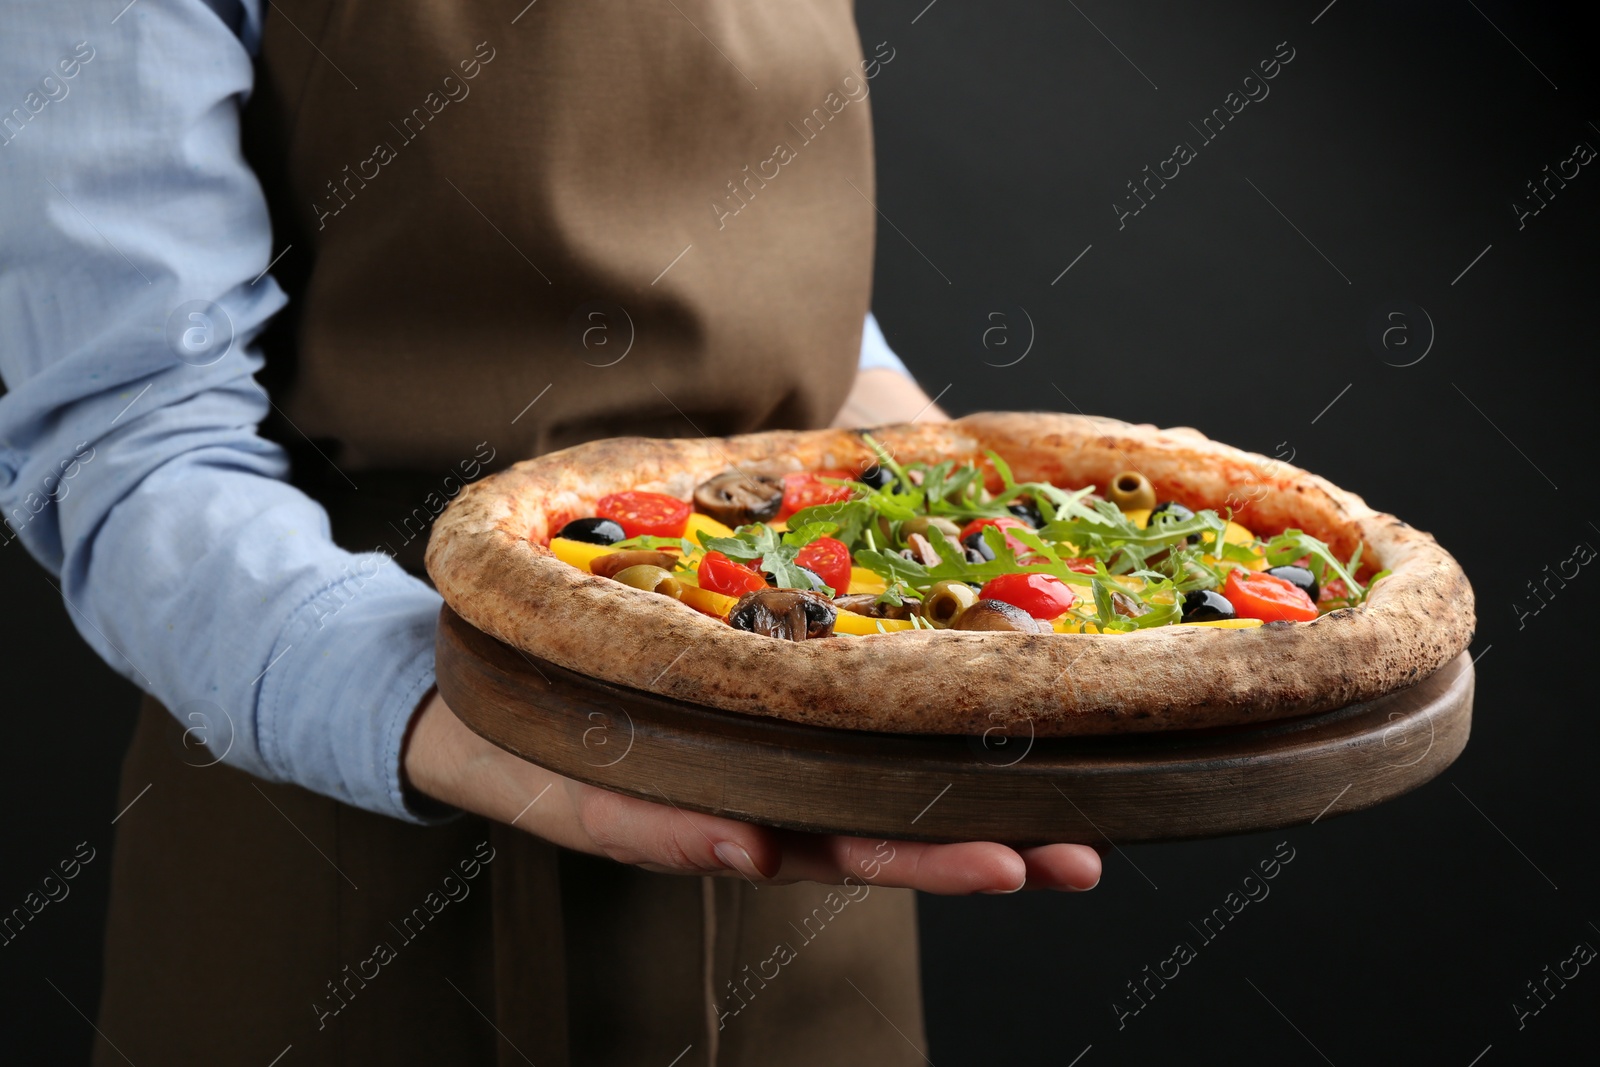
x,y
1397,141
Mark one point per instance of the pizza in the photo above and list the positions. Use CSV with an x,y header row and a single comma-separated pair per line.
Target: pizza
x,y
1065,574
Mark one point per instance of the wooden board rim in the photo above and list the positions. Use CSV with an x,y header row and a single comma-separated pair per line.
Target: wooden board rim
x,y
1145,787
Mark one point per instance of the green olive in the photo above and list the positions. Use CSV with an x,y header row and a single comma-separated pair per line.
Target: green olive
x,y
923,523
1131,491
651,579
945,601
613,563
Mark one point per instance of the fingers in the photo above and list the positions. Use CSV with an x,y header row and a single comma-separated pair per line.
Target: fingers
x,y
977,867
666,838
957,869
1069,867
663,837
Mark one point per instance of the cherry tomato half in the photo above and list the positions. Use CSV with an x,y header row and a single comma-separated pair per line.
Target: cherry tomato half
x,y
1080,564
1041,595
830,559
1258,595
639,514
722,575
808,490
1003,523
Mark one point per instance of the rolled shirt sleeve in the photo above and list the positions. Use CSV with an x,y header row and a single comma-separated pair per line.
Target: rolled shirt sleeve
x,y
875,351
133,288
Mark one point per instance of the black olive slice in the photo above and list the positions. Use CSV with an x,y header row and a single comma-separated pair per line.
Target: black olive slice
x,y
1178,512
1027,511
869,605
877,476
593,531
1206,605
978,550
1300,577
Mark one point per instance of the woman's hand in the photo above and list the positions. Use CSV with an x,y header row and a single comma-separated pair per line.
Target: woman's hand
x,y
880,396
446,761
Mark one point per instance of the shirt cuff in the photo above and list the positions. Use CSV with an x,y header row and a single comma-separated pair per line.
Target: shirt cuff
x,y
364,647
875,351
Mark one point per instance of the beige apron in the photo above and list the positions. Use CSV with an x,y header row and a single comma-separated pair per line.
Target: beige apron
x,y
508,231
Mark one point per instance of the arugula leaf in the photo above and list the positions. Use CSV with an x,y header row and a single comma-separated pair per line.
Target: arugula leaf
x,y
747,543
856,519
1292,544
652,543
1235,553
777,553
886,459
1029,538
850,517
800,536
1191,569
894,568
1002,468
954,566
1050,500
1104,609
895,595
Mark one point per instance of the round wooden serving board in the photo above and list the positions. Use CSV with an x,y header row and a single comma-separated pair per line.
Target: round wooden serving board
x,y
1015,789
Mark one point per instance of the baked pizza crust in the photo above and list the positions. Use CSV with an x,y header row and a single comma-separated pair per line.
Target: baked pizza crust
x,y
488,560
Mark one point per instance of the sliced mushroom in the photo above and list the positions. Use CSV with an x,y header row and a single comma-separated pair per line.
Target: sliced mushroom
x,y
923,523
608,565
736,497
922,550
869,605
996,615
1127,605
787,614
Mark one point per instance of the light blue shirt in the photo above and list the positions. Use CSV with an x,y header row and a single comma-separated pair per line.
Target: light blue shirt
x,y
138,478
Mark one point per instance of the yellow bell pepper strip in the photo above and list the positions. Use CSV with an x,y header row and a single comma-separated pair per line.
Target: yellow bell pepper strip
x,y
848,622
579,554
1225,624
711,527
1071,624
706,601
865,581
